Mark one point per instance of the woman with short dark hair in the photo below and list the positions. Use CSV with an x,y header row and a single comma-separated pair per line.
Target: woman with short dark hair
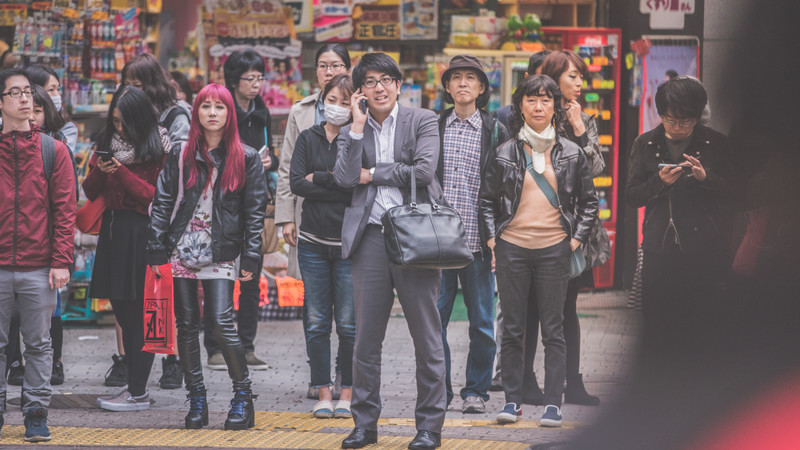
x,y
531,239
133,147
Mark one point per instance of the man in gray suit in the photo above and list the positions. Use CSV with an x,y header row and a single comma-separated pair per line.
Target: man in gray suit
x,y
378,154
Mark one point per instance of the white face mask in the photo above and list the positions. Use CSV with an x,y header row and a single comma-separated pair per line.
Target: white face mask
x,y
57,101
336,115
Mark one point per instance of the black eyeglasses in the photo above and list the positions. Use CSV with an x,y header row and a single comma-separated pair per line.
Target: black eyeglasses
x,y
386,81
253,79
16,93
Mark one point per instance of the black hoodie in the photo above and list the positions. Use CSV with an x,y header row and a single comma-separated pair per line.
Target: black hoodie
x,y
251,127
325,201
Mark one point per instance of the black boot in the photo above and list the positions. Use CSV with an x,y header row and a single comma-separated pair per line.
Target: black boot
x,y
242,414
198,408
575,393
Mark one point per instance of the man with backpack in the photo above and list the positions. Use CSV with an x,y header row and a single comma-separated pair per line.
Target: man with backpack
x,y
37,226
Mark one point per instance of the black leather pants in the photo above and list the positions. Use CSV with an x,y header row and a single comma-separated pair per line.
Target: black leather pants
x,y
218,314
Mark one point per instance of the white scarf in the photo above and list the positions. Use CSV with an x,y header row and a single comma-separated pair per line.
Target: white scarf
x,y
539,143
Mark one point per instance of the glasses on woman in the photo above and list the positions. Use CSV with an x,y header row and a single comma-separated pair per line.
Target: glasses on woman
x,y
253,80
386,81
336,67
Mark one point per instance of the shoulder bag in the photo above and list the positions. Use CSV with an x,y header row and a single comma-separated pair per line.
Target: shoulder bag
x,y
425,235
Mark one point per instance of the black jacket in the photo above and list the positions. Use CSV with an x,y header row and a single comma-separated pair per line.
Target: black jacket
x,y
325,201
251,128
697,209
486,150
501,188
238,217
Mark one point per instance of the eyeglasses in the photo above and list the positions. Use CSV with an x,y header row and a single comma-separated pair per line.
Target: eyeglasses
x,y
679,123
386,81
253,79
334,67
16,93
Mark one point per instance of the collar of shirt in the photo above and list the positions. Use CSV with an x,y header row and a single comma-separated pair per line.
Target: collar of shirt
x,y
474,119
319,112
393,115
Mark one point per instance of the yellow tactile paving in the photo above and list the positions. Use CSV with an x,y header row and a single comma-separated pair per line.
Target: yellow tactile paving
x,y
66,436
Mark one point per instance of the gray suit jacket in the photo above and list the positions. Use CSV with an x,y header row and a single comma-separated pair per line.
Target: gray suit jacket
x,y
416,151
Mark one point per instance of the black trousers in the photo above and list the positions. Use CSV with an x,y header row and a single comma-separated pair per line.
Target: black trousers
x,y
247,319
130,316
218,314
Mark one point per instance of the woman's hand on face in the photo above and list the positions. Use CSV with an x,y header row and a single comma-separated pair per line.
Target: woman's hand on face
x,y
359,117
246,276
108,166
697,168
574,117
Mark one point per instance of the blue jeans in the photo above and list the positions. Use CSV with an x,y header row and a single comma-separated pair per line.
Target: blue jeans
x,y
477,285
328,283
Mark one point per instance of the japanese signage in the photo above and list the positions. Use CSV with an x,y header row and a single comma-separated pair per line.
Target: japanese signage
x,y
666,14
377,22
10,13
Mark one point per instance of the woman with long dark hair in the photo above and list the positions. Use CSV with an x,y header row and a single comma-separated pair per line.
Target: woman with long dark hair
x,y
206,221
531,239
328,278
125,167
47,77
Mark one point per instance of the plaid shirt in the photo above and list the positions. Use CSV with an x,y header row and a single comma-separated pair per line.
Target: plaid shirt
x,y
462,171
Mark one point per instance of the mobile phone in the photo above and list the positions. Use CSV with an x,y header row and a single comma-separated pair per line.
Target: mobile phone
x,y
669,166
263,152
364,106
104,155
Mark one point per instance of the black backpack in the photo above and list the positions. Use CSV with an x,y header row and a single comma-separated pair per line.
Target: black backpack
x,y
48,145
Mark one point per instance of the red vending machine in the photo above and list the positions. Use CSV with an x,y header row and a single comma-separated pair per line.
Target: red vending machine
x,y
600,48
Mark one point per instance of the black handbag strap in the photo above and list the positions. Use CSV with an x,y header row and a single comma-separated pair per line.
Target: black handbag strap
x,y
547,190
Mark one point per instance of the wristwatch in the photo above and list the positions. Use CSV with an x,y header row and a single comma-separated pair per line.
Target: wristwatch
x,y
371,173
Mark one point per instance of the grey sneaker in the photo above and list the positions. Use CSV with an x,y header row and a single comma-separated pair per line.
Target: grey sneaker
x,y
253,363
126,402
105,398
217,362
473,405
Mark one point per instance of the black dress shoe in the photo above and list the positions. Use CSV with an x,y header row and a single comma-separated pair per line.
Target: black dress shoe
x,y
360,437
426,440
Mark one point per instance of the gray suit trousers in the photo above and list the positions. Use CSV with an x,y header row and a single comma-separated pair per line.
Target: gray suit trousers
x,y
374,278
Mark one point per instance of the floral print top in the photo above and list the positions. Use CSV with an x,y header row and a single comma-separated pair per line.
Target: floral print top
x,y
192,257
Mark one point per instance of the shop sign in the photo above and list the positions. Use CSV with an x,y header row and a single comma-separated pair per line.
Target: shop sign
x,y
420,19
333,29
41,6
244,6
333,8
378,22
10,14
303,15
593,40
252,27
666,14
57,4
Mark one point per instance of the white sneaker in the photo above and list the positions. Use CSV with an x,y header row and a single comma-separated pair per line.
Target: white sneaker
x,y
126,402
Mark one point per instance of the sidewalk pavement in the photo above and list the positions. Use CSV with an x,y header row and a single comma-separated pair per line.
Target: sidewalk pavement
x,y
609,332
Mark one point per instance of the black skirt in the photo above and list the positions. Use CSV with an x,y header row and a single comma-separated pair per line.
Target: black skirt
x,y
120,261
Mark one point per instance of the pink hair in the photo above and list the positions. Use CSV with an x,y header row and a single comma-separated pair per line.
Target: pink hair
x,y
233,175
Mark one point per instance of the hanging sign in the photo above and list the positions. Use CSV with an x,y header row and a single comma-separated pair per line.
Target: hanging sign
x,y
666,14
11,13
376,22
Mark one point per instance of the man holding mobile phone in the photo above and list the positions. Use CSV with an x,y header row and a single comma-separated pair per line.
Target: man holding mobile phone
x,y
680,173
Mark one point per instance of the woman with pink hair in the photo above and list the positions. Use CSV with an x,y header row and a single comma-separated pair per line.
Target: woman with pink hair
x,y
206,221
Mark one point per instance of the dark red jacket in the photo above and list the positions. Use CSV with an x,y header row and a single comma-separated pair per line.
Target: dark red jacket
x,y
130,188
37,217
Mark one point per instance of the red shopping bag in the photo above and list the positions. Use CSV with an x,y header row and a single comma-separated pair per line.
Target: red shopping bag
x,y
159,311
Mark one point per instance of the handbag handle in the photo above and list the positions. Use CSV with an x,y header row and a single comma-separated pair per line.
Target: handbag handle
x,y
413,203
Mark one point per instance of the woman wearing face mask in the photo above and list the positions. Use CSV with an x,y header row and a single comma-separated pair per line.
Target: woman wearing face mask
x,y
47,78
327,277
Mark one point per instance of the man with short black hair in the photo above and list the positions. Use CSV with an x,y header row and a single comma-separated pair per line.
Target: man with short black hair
x,y
469,138
36,242
378,154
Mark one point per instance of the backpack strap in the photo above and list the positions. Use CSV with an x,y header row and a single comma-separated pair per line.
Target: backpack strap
x,y
48,145
494,135
173,114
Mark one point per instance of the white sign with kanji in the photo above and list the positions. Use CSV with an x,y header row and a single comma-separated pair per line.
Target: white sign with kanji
x,y
666,14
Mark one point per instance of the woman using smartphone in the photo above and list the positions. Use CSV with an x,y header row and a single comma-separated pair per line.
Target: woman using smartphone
x,y
206,221
135,147
327,277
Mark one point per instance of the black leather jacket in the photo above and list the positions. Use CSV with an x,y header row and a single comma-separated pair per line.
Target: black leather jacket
x,y
238,217
501,188
698,210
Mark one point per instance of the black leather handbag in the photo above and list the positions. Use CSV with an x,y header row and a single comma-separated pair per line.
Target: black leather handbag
x,y
425,235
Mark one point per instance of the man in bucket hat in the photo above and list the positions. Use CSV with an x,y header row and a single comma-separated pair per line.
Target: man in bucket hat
x,y
469,136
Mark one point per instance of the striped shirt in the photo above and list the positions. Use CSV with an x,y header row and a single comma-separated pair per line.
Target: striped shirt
x,y
462,170
388,196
